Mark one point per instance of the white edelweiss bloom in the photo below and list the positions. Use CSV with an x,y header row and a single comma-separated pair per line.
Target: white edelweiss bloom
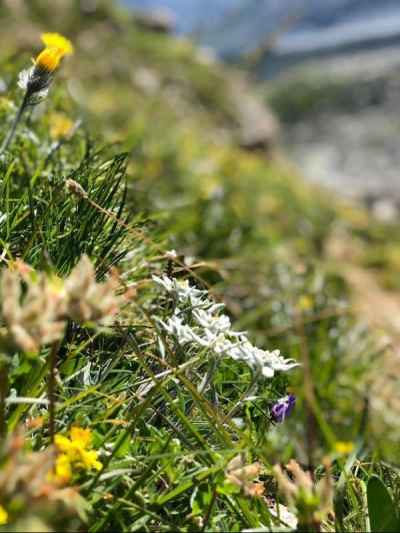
x,y
164,282
214,331
222,345
183,333
270,362
187,293
214,307
183,291
242,351
216,324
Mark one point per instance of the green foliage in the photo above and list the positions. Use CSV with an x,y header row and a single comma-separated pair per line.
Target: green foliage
x,y
382,510
246,227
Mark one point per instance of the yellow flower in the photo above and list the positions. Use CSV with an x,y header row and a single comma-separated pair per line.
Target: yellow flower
x,y
3,516
59,42
76,452
305,303
57,47
62,443
81,436
90,461
63,470
48,60
60,126
344,448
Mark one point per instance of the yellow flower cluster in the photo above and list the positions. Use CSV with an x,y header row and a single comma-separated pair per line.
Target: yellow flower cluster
x,y
75,453
57,47
3,516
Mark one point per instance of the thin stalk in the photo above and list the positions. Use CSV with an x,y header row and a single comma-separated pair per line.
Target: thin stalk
x,y
208,380
10,136
252,388
3,397
51,389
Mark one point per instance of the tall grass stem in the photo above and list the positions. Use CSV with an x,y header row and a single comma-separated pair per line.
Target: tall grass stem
x,y
3,397
10,135
51,389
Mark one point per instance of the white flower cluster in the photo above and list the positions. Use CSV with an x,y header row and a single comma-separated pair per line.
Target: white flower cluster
x,y
198,320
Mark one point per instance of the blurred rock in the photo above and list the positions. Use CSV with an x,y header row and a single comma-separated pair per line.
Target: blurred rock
x,y
157,20
385,210
258,127
146,80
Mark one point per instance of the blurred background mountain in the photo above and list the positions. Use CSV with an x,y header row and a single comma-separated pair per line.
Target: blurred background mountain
x,y
294,29
332,71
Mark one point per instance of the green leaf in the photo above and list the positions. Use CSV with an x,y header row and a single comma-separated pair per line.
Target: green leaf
x,y
381,508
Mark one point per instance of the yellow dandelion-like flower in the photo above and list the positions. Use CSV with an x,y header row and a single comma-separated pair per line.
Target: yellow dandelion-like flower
x,y
36,80
60,126
344,448
3,516
48,60
59,42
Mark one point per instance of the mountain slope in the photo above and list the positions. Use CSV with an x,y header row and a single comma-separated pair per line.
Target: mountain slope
x,y
293,29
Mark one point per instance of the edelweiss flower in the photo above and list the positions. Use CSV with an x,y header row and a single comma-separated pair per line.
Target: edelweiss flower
x,y
199,320
181,289
212,323
267,363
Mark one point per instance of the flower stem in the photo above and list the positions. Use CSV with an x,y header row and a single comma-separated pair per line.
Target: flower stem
x,y
208,380
51,389
3,396
10,136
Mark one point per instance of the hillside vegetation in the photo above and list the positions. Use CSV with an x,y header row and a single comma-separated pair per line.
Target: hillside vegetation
x,y
163,416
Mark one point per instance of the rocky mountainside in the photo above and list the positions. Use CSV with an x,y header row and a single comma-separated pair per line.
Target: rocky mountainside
x,y
291,30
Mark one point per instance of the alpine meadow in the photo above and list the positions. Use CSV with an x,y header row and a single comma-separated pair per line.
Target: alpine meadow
x,y
193,337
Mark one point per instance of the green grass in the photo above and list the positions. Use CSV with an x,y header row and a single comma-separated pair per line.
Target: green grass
x,y
161,172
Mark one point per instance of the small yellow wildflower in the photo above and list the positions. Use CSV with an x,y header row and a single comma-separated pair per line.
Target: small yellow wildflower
x,y
344,448
59,42
63,470
81,435
3,516
60,126
48,60
36,80
76,452
305,303
57,47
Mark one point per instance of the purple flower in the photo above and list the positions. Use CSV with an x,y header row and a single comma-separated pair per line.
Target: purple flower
x,y
283,408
